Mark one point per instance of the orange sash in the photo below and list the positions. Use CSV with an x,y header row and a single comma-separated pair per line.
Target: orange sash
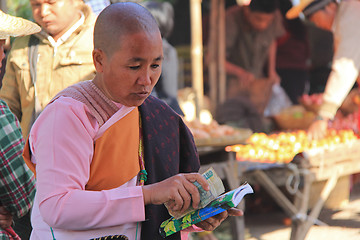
x,y
116,154
27,157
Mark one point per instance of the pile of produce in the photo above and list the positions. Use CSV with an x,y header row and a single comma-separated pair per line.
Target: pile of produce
x,y
301,116
282,147
212,130
311,102
342,121
350,104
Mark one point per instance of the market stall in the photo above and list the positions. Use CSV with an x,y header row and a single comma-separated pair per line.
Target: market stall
x,y
288,158
326,160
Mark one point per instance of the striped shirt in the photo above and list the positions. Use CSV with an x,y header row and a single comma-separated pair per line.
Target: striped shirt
x,y
17,185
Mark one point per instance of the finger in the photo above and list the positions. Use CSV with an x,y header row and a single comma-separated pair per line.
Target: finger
x,y
170,204
5,217
4,211
318,135
186,197
252,77
216,220
219,218
192,177
235,212
178,201
193,192
5,223
205,225
309,136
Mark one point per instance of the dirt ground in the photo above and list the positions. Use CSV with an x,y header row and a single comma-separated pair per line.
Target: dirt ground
x,y
343,224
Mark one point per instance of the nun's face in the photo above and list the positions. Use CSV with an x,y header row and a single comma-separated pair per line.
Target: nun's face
x,y
129,74
2,54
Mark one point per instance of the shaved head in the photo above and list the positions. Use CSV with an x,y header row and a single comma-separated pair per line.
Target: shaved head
x,y
119,20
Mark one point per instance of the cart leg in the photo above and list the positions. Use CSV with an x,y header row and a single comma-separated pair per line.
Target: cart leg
x,y
301,203
314,214
274,191
237,223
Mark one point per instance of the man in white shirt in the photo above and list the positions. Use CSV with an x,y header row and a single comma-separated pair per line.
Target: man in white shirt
x,y
41,65
335,17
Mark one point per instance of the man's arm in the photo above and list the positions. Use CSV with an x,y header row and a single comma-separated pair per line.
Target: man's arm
x,y
6,218
241,74
345,66
341,79
272,63
232,35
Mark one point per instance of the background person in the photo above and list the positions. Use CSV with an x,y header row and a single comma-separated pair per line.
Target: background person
x,y
251,33
293,55
89,185
330,15
40,65
167,87
17,185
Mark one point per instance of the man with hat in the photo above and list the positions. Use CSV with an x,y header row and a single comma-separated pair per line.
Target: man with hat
x,y
341,18
17,186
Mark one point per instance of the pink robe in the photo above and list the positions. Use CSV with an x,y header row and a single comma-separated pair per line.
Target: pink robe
x,y
115,211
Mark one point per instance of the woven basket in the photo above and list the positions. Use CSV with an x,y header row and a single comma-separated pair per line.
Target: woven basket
x,y
295,117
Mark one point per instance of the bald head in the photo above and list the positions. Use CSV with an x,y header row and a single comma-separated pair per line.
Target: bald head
x,y
118,20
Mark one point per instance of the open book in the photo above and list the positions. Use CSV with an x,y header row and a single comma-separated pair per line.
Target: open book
x,y
220,204
216,188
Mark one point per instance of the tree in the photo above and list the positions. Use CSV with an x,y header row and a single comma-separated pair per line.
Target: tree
x,y
20,8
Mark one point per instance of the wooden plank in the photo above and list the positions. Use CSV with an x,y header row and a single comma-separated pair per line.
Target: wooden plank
x,y
197,53
221,53
238,137
322,157
211,58
344,168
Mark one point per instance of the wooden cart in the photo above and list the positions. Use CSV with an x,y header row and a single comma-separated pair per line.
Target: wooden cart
x,y
319,165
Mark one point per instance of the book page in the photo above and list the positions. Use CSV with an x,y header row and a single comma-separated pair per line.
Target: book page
x,y
216,188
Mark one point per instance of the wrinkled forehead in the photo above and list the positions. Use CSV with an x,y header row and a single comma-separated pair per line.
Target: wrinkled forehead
x,y
117,39
150,41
